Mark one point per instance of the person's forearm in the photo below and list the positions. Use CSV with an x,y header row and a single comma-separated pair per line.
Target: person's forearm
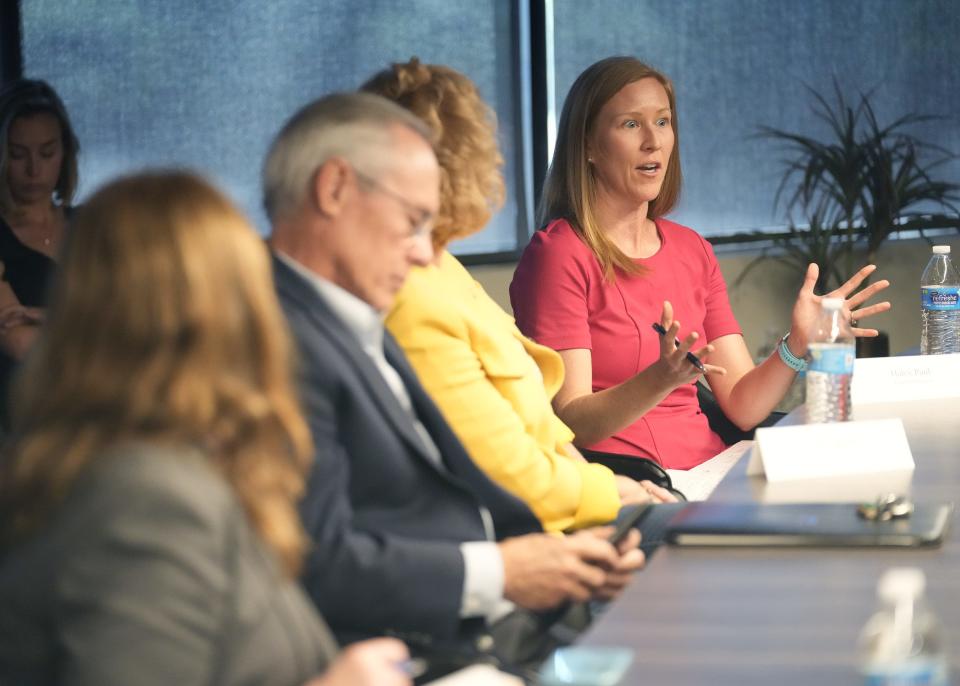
x,y
596,416
758,392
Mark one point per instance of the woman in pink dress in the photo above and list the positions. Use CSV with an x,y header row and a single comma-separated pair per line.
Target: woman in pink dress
x,y
608,265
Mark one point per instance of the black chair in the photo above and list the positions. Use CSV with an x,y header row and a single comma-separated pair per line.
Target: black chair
x,y
637,468
729,432
878,346
641,468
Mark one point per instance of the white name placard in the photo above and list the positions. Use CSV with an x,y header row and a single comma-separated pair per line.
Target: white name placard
x,y
832,489
813,451
911,377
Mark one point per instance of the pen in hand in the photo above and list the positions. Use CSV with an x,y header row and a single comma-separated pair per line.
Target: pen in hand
x,y
413,667
693,359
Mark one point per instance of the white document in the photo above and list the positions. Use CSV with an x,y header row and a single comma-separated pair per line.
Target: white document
x,y
812,451
911,377
478,675
698,483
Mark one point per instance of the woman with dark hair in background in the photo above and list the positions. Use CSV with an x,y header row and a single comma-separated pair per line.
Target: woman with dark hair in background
x,y
38,177
608,264
492,384
148,524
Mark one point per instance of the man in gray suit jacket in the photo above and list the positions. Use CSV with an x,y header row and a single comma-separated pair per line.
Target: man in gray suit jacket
x,y
411,537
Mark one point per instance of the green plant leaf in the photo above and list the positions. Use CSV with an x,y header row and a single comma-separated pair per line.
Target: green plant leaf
x,y
858,185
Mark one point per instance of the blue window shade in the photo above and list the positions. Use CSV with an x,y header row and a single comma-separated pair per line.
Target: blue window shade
x,y
207,84
740,64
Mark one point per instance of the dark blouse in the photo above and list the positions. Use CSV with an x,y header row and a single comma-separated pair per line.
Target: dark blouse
x,y
27,271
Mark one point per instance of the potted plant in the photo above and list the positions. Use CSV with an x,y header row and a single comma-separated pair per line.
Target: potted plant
x,y
855,187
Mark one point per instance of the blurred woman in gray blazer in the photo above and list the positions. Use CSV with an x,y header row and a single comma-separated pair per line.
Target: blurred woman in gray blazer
x,y
148,524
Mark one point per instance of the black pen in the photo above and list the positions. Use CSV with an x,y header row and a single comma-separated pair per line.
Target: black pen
x,y
694,360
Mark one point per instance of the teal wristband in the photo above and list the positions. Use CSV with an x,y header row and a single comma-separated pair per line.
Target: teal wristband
x,y
795,363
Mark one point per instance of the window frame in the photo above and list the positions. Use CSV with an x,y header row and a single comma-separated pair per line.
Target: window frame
x,y
535,119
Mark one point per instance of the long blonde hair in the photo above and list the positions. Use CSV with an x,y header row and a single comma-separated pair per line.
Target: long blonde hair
x,y
570,189
465,141
163,326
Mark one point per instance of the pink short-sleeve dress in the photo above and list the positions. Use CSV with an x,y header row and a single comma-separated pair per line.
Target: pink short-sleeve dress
x,y
560,299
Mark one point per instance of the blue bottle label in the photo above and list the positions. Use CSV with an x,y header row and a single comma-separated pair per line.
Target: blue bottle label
x,y
940,298
836,359
918,671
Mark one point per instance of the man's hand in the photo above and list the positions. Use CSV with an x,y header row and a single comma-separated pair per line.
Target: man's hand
x,y
541,571
630,559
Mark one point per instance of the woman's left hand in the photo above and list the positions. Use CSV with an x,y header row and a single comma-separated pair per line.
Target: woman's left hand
x,y
639,492
18,315
807,308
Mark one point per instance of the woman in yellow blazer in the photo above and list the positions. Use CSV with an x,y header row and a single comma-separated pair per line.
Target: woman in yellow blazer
x,y
492,384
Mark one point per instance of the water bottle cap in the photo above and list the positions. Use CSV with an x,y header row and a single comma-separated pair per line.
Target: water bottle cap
x,y
901,581
941,250
832,303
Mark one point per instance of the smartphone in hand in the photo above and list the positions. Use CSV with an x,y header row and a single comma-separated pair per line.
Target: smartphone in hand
x,y
627,521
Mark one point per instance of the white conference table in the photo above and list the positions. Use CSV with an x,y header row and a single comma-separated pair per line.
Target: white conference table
x,y
786,616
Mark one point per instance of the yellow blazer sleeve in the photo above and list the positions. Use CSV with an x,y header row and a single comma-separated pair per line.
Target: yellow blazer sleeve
x,y
468,380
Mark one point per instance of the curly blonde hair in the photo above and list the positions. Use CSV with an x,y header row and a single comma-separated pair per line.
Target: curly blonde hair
x,y
163,326
464,137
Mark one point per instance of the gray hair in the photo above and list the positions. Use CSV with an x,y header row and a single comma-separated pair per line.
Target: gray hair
x,y
352,126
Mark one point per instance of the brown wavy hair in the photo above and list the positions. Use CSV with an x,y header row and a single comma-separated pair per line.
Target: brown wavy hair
x,y
163,326
465,141
570,188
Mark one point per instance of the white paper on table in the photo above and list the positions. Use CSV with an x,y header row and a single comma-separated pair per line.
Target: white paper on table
x,y
478,675
811,451
699,482
910,377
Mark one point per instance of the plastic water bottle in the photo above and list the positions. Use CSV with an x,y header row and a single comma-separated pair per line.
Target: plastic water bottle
x,y
830,358
940,314
901,643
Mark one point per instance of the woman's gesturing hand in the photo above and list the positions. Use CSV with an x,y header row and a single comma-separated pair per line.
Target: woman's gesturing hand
x,y
807,307
674,369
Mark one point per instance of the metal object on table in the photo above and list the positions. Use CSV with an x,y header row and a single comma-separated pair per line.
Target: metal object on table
x,y
886,507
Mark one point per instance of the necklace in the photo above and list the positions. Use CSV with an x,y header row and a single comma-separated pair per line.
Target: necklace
x,y
42,231
46,231
45,237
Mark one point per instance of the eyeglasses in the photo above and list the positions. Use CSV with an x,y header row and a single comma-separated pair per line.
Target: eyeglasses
x,y
421,219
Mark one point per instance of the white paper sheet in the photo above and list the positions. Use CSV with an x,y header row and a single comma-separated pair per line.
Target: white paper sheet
x,y
478,675
698,483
